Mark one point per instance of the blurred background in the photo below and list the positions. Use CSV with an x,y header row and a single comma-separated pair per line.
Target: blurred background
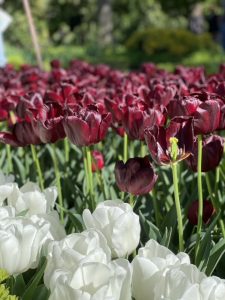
x,y
121,33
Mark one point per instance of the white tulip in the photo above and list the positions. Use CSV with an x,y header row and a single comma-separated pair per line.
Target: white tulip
x,y
95,281
74,250
6,186
152,259
21,242
56,229
186,282
118,223
31,200
7,212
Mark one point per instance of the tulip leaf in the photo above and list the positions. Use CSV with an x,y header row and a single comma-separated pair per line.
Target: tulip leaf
x,y
20,167
165,241
33,284
77,221
150,229
41,293
216,254
19,285
206,243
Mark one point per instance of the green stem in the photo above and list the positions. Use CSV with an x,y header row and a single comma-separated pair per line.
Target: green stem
x,y
155,206
86,170
90,175
213,199
125,147
58,182
101,183
131,200
177,204
200,196
125,155
66,149
143,149
217,179
38,167
9,158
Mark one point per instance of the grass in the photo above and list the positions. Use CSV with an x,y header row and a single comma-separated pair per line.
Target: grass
x,y
117,57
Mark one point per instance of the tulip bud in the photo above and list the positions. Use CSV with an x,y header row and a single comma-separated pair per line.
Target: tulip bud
x,y
136,176
118,223
208,211
212,152
98,161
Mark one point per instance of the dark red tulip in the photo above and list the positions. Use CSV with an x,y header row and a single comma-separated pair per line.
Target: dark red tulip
x,y
158,140
212,153
97,160
136,120
55,63
183,107
207,117
136,176
116,108
50,127
208,211
22,135
162,94
50,130
87,127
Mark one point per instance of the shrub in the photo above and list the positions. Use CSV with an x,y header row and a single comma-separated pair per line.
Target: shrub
x,y
174,42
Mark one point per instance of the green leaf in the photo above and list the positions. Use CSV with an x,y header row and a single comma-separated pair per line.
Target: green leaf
x,y
205,244
165,241
41,293
150,229
76,220
215,255
33,284
19,286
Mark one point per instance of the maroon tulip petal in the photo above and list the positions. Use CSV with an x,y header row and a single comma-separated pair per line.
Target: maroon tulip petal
x,y
49,131
9,139
207,117
104,126
136,176
25,134
77,131
208,211
155,138
212,153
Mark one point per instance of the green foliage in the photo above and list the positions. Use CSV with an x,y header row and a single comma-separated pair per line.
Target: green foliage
x,y
173,42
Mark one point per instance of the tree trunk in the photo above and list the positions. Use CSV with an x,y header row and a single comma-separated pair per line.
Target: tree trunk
x,y
105,22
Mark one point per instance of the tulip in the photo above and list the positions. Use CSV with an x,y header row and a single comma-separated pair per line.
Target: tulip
x,y
136,120
22,135
186,282
50,127
158,140
118,223
212,153
208,211
183,107
30,199
136,176
98,161
6,186
151,260
95,281
162,95
207,117
73,251
87,127
23,239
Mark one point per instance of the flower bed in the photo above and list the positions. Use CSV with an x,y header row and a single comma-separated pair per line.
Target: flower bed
x,y
151,138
